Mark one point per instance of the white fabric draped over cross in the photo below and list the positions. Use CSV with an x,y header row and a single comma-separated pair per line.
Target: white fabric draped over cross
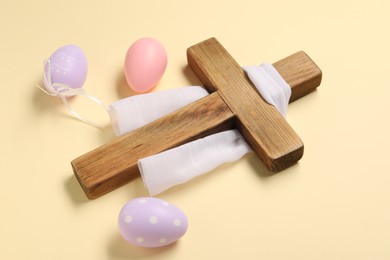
x,y
178,165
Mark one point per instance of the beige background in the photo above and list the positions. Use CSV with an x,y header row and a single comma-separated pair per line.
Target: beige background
x,y
334,204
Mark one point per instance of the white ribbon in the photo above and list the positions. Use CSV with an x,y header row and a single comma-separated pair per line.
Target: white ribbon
x,y
63,91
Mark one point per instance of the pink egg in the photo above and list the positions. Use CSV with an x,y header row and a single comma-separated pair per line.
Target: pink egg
x,y
151,222
145,64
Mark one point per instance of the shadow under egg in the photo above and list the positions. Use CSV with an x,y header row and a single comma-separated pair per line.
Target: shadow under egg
x,y
118,248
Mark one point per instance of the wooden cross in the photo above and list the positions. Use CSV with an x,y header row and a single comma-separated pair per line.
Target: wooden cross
x,y
233,103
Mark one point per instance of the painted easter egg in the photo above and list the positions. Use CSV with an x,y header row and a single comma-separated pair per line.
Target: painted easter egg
x,y
145,64
151,222
68,66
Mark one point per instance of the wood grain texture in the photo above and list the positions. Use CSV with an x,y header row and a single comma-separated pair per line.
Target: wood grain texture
x,y
300,72
263,127
115,163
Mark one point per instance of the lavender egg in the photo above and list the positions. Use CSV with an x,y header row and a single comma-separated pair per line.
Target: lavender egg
x,y
151,222
68,66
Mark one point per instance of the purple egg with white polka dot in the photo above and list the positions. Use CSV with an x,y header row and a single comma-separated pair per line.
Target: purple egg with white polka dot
x,y
151,222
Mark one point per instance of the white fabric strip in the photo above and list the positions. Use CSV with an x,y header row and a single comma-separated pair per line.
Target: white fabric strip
x,y
272,87
179,165
135,111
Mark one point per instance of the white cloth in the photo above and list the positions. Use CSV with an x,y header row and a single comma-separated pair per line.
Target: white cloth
x,y
272,87
136,111
180,164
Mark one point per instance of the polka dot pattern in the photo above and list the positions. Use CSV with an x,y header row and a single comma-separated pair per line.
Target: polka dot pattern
x,y
177,222
151,222
128,219
68,66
